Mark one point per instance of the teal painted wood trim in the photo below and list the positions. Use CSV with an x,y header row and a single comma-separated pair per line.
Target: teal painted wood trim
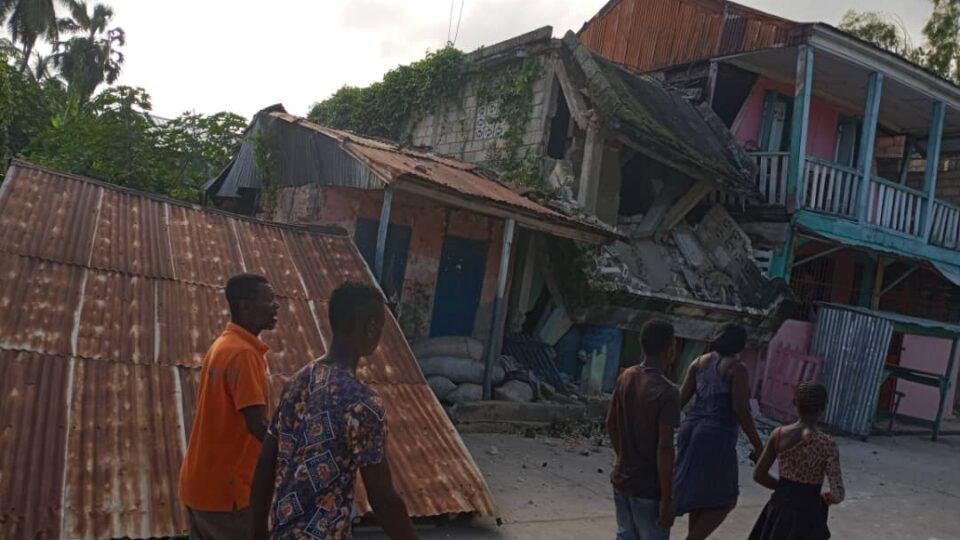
x,y
871,113
873,238
944,391
766,122
866,283
780,262
799,123
930,173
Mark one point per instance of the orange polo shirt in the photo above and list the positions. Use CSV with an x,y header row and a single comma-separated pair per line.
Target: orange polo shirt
x,y
221,455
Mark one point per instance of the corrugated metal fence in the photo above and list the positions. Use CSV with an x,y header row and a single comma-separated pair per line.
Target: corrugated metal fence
x,y
853,347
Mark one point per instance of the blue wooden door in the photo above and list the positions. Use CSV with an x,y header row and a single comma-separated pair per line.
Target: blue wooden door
x,y
459,283
394,254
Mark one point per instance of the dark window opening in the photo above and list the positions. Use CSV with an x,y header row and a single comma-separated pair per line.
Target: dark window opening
x,y
731,90
813,282
777,116
559,129
848,141
641,180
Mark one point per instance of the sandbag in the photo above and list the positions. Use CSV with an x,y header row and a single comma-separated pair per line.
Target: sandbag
x,y
458,370
441,386
457,346
465,393
514,390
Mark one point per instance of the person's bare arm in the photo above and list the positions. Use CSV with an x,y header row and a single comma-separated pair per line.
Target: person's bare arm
x,y
387,505
837,491
689,386
256,418
261,490
740,387
761,474
666,455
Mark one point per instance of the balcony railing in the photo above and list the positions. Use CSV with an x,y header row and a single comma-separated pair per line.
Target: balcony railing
x,y
829,187
893,206
945,229
834,189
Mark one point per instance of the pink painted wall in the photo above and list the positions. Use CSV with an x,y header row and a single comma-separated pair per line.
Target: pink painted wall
x,y
429,222
821,130
792,334
928,354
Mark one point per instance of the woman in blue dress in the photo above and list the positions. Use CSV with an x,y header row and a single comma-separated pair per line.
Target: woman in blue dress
x,y
705,480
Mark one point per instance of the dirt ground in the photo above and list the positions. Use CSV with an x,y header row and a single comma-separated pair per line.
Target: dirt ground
x,y
898,488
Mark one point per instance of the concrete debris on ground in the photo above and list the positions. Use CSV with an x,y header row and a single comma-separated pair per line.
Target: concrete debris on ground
x,y
514,390
465,393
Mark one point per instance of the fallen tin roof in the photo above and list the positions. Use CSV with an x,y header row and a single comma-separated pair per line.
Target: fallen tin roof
x,y
307,152
108,302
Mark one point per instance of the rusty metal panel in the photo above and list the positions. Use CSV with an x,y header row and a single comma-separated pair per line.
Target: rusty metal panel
x,y
440,476
132,236
124,448
33,412
38,304
44,217
204,247
263,251
296,340
853,347
325,262
117,318
189,318
647,35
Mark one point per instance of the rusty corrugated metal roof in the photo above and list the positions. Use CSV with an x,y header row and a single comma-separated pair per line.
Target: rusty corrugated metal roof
x,y
109,300
645,35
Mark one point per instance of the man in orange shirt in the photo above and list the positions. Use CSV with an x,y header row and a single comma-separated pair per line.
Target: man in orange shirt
x,y
231,419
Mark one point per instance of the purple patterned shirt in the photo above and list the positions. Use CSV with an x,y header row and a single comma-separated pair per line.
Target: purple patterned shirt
x,y
328,425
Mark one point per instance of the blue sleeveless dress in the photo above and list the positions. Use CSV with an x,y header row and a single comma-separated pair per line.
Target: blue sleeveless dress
x,y
705,475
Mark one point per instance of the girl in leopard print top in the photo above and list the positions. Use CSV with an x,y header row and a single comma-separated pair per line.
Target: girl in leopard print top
x,y
798,510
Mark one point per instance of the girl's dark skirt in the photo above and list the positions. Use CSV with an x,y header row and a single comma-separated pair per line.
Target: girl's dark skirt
x,y
794,512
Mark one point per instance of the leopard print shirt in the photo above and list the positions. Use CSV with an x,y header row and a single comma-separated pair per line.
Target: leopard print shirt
x,y
810,460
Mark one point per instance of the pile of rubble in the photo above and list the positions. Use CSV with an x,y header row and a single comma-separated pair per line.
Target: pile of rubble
x,y
454,368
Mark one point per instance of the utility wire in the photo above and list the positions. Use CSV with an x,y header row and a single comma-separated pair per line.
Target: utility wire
x,y
459,18
450,21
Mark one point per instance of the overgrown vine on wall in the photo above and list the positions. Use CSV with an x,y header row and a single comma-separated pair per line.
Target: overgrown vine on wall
x,y
390,107
266,160
511,88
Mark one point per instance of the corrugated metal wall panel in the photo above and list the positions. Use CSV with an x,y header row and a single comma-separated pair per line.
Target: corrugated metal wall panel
x,y
204,247
647,35
265,253
853,347
429,448
38,304
189,318
131,235
325,262
124,450
131,403
33,411
118,318
48,219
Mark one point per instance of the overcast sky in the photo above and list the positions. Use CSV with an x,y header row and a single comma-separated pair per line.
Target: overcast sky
x,y
241,56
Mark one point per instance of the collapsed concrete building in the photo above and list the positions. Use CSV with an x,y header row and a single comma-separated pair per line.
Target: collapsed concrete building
x,y
624,172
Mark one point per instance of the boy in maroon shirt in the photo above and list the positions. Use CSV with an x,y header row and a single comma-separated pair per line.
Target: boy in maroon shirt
x,y
643,416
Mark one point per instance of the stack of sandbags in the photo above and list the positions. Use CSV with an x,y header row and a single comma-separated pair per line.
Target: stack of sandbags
x,y
454,369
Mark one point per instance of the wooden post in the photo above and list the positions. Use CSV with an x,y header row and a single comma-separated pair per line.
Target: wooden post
x,y
798,126
495,337
878,282
905,159
945,388
780,265
931,168
382,232
871,114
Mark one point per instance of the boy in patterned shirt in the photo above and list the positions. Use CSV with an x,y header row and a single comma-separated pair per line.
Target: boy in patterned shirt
x,y
326,427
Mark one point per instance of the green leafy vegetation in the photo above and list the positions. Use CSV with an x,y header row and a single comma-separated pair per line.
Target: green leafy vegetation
x,y
388,108
940,51
52,114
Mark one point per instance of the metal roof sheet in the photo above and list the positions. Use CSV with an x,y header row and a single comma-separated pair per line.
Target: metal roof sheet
x,y
100,347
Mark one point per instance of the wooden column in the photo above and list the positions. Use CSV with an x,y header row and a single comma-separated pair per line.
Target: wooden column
x,y
798,126
590,168
871,114
495,338
382,232
931,169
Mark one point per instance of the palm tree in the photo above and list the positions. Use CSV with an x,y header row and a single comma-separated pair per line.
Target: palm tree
x,y
28,21
93,56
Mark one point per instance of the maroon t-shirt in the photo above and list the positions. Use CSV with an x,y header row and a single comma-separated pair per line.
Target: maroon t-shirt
x,y
642,400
